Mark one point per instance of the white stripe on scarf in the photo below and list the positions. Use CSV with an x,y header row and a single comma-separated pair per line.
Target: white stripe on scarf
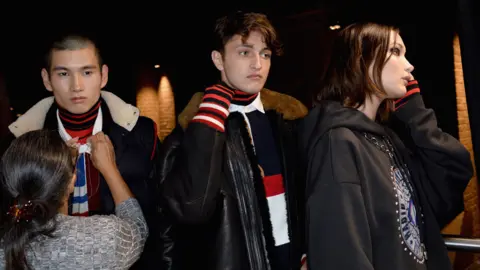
x,y
79,191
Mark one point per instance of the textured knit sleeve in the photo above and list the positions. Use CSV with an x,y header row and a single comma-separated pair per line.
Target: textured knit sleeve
x,y
95,242
131,233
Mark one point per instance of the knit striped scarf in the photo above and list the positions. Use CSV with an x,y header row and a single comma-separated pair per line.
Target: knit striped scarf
x,y
81,126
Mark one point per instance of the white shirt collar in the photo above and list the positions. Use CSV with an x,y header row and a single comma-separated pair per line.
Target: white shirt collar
x,y
255,105
97,127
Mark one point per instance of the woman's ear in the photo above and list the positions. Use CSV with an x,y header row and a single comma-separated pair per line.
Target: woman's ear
x,y
71,186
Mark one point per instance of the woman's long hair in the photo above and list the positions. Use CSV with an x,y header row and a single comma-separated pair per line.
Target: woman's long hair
x,y
35,174
356,49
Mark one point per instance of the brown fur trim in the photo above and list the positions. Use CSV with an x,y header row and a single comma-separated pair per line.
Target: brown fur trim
x,y
290,107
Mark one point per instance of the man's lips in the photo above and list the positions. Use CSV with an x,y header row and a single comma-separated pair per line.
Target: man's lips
x,y
255,76
78,99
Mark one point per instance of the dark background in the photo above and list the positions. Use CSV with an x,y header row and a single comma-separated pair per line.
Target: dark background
x,y
135,37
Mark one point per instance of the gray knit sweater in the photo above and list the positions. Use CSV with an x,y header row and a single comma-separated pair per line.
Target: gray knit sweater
x,y
96,242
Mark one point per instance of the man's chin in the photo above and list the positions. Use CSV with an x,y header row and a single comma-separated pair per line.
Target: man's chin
x,y
253,90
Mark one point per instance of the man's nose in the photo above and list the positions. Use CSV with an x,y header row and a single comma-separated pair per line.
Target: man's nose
x,y
77,83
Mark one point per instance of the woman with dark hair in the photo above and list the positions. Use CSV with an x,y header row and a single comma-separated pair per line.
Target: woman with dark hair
x,y
38,174
375,201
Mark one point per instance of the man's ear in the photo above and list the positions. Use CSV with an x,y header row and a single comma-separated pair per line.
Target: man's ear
x,y
217,59
104,75
46,80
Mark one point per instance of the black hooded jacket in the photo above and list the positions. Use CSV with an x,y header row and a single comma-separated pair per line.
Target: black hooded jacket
x,y
371,201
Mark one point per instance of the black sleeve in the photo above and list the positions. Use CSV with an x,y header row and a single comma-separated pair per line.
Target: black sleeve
x,y
445,161
158,250
338,233
192,185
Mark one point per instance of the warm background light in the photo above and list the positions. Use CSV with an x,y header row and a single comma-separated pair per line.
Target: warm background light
x,y
468,222
159,105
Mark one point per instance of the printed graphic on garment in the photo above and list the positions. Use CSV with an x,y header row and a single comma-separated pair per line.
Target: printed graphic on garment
x,y
407,217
